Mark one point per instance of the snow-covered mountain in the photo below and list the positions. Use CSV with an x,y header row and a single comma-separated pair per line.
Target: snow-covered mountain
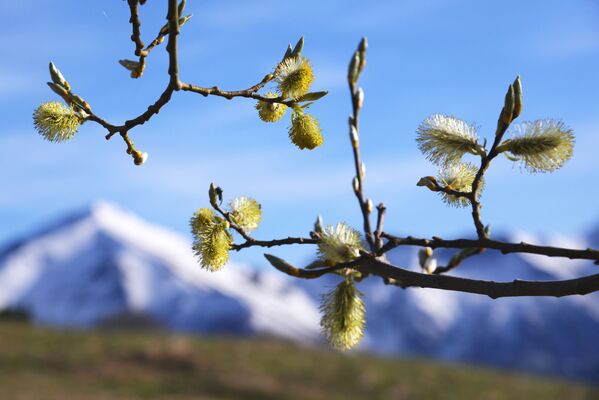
x,y
103,263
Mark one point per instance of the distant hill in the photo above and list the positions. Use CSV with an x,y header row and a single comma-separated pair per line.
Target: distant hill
x,y
104,263
105,267
47,364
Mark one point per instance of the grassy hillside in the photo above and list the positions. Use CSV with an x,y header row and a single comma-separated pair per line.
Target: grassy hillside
x,y
45,364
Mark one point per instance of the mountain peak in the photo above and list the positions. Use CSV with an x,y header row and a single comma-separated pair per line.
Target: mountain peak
x,y
104,207
109,215
103,261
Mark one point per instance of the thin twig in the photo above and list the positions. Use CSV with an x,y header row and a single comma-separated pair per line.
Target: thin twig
x,y
380,221
502,126
295,272
503,247
173,85
135,26
436,187
251,242
247,93
457,259
227,216
355,143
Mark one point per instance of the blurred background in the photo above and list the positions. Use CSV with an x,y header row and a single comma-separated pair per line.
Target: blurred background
x,y
89,240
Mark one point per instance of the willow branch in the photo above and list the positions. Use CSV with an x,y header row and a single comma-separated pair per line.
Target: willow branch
x,y
503,247
251,242
380,221
434,186
135,26
510,111
405,278
173,84
357,99
159,39
457,259
247,93
295,272
311,273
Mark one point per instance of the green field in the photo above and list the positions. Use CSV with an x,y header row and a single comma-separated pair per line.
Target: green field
x,y
45,364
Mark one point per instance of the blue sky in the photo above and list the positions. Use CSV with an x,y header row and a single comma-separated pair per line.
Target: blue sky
x,y
434,56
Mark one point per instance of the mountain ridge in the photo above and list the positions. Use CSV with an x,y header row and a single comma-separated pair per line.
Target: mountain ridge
x,y
102,262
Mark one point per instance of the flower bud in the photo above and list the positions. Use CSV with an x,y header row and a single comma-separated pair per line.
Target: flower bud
x,y
360,97
356,184
139,158
517,97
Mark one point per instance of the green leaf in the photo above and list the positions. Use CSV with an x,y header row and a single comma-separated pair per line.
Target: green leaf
x,y
181,7
304,106
312,96
297,50
184,19
287,53
129,64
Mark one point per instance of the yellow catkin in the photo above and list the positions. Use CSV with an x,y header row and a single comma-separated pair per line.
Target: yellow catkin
x,y
270,112
305,131
55,121
212,241
339,243
444,139
246,212
343,316
294,76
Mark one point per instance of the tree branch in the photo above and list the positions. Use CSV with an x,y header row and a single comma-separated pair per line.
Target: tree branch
x,y
251,242
434,186
405,278
380,221
508,114
503,247
135,26
357,97
305,273
248,93
457,259
173,85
